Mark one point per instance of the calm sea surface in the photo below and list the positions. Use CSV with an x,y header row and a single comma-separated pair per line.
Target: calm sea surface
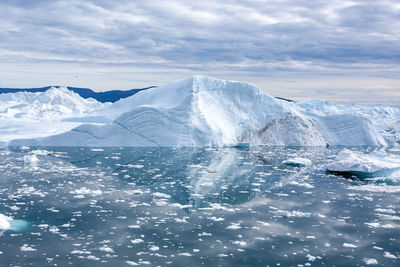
x,y
192,207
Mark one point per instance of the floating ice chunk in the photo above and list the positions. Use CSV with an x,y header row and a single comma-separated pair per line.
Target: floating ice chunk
x,y
234,226
106,249
311,257
30,159
297,162
364,165
91,257
4,222
7,223
154,248
137,241
370,261
161,195
293,213
27,248
240,243
86,191
41,152
347,245
389,255
185,254
132,263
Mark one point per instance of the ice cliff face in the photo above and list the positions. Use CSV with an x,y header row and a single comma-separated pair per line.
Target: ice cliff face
x,y
202,111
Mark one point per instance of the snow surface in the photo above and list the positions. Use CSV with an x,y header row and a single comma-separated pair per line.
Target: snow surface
x,y
357,162
202,111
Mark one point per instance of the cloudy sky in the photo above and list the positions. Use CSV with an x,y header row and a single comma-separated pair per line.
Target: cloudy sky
x,y
344,51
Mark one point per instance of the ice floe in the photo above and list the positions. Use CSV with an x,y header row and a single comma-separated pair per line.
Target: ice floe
x,y
297,162
364,165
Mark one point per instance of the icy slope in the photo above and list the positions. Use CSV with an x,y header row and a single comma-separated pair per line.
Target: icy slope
x,y
202,111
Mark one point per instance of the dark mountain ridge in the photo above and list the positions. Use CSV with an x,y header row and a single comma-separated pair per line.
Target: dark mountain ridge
x,y
107,96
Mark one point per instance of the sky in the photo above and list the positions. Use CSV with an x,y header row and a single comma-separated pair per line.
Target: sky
x,y
342,51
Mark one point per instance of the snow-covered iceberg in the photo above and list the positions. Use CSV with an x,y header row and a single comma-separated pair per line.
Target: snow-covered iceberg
x,y
364,165
202,111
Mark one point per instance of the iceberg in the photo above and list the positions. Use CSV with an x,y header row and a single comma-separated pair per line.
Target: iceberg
x,y
7,223
201,111
377,163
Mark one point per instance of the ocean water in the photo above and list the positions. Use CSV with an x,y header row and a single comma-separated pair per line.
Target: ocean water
x,y
192,207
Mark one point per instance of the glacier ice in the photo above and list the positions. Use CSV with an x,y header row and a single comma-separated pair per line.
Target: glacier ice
x,y
201,111
364,165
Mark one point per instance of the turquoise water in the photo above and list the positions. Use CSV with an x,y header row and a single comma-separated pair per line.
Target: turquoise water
x,y
192,207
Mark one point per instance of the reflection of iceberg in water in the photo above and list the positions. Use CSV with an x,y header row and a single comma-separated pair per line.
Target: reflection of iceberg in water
x,y
190,176
209,178
223,175
229,176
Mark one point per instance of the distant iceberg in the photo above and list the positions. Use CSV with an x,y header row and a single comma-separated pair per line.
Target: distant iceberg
x,y
201,111
33,115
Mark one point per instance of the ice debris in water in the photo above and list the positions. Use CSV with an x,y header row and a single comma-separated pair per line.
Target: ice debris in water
x,y
297,162
370,261
361,164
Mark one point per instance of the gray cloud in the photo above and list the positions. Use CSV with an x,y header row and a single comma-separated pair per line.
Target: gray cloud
x,y
246,39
